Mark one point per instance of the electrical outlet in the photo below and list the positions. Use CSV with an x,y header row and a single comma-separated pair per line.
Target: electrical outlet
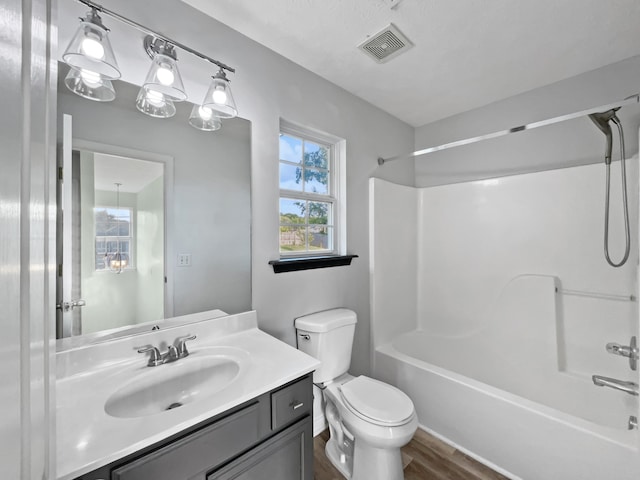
x,y
184,259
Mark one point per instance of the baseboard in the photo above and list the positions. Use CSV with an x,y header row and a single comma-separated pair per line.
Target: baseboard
x,y
475,456
319,424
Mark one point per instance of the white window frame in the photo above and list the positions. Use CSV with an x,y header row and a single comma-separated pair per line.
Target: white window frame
x,y
337,188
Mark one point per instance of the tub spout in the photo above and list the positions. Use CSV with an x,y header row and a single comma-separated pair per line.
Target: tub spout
x,y
629,387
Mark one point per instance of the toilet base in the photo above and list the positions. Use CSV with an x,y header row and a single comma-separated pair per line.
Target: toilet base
x,y
339,459
373,463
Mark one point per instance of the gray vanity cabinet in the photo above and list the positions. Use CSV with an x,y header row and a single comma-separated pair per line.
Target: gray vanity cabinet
x,y
267,438
284,456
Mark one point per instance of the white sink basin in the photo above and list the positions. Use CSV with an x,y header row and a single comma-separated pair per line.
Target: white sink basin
x,y
172,385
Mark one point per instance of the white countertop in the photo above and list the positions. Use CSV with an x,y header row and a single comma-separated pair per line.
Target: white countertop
x,y
88,438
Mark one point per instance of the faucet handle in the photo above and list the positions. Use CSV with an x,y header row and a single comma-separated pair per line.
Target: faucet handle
x,y
171,355
155,358
181,345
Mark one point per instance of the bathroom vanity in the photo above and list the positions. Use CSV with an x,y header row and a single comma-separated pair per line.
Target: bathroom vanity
x,y
239,406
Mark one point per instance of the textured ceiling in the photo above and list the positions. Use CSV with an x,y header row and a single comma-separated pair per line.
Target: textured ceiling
x,y
467,53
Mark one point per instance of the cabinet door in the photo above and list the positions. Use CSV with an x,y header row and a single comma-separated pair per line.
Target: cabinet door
x,y
198,452
287,456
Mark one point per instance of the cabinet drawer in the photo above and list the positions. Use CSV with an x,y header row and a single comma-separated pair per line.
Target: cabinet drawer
x,y
291,403
198,452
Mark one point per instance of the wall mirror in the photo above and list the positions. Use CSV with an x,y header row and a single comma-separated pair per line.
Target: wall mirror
x,y
158,216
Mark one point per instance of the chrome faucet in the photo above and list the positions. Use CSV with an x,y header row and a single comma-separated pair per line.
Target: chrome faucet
x,y
630,351
174,352
181,345
629,387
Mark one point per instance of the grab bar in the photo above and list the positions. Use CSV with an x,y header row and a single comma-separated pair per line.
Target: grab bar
x,y
604,296
629,387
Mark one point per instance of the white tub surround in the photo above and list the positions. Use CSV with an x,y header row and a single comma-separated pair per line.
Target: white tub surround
x,y
89,438
497,312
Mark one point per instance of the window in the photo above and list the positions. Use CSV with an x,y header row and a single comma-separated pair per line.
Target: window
x,y
309,208
114,231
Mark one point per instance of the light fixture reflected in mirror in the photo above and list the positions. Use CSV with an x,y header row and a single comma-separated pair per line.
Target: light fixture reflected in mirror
x,y
90,85
163,76
203,118
219,97
155,104
90,48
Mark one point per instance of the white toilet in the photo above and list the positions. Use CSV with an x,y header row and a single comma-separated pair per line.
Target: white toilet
x,y
369,420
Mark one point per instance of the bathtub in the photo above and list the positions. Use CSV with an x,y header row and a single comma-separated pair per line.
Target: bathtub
x,y
518,437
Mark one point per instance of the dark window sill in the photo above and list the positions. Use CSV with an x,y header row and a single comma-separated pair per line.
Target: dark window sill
x,y
309,263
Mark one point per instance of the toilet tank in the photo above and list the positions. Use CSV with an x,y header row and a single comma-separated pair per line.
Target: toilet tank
x,y
327,336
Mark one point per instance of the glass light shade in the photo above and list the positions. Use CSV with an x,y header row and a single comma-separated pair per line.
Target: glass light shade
x,y
155,104
90,85
203,118
219,97
118,261
164,77
91,50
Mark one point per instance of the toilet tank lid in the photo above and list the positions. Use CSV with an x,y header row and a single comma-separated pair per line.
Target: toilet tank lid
x,y
326,321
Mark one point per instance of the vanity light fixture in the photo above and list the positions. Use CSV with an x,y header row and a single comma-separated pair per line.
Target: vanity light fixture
x,y
90,49
155,104
164,76
93,65
117,260
203,118
219,97
90,85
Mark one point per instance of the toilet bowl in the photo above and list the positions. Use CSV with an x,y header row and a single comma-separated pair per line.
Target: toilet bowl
x,y
369,420
378,419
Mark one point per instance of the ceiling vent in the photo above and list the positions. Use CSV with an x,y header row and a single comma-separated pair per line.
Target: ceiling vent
x,y
386,44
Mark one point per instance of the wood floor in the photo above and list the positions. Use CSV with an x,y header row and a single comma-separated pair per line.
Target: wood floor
x,y
424,458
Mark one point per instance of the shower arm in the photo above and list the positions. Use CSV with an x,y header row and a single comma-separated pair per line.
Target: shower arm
x,y
631,100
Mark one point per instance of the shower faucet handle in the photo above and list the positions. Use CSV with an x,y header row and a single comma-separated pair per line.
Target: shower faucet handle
x,y
630,351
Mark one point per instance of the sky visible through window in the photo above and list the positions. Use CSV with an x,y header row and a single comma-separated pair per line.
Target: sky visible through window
x,y
315,163
305,201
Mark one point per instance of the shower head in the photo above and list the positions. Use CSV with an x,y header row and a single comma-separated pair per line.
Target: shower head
x,y
602,120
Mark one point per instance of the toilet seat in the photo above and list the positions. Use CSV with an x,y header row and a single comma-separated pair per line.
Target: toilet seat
x,y
377,402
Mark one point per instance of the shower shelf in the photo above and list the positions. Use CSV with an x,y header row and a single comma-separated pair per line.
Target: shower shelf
x,y
604,296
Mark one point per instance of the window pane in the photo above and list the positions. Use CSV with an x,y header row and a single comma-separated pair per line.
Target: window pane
x,y
103,223
111,245
293,239
125,246
122,221
101,249
319,213
320,238
316,181
292,211
123,227
290,149
290,177
316,155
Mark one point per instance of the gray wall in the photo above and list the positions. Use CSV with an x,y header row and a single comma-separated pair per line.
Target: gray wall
x,y
576,142
268,87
